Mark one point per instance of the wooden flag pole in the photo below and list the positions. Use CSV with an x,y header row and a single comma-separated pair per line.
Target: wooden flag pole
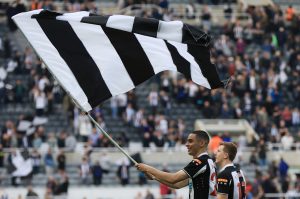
x,y
110,139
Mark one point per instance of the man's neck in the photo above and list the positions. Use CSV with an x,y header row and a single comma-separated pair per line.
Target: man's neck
x,y
224,164
200,152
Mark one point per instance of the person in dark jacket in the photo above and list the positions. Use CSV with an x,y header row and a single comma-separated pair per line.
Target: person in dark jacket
x,y
97,173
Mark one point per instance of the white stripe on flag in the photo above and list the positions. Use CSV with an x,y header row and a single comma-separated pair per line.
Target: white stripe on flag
x,y
120,22
157,52
105,56
77,16
51,57
171,30
196,73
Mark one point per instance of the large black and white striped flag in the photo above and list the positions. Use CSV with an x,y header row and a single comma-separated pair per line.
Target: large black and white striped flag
x,y
96,57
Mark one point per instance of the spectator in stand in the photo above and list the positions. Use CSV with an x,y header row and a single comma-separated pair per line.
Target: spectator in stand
x,y
164,4
123,173
61,161
269,184
158,139
85,127
37,141
51,185
94,138
139,116
36,161
114,107
52,141
214,143
19,91
287,141
61,140
142,178
122,103
164,189
207,110
149,195
283,169
262,153
49,162
40,103
97,173
84,171
296,117
289,13
206,18
153,100
70,142
31,194
165,102
286,115
63,186
253,158
129,114
181,91
146,139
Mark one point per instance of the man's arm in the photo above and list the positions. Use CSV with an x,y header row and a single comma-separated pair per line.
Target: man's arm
x,y
177,185
223,181
170,178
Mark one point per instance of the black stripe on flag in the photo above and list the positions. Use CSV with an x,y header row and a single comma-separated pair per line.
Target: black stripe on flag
x,y
98,20
132,54
146,27
202,57
183,66
46,14
77,58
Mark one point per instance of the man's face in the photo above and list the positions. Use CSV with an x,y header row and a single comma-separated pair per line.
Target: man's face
x,y
193,145
220,154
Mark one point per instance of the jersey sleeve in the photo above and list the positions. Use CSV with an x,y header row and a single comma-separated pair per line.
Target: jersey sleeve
x,y
223,181
194,168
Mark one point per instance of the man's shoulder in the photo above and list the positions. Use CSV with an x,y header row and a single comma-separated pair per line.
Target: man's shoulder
x,y
204,158
227,172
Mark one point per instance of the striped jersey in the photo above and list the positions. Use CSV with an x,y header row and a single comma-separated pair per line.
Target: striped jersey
x,y
202,177
231,181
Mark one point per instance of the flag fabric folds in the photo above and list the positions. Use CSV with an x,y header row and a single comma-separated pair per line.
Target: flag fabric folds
x,y
97,57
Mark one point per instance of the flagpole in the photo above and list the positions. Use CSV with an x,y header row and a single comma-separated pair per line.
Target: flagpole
x,y
80,107
110,139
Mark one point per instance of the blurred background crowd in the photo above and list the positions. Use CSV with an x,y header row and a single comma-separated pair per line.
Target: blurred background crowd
x,y
257,47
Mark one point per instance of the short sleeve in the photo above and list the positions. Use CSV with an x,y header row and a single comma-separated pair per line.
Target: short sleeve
x,y
194,168
223,183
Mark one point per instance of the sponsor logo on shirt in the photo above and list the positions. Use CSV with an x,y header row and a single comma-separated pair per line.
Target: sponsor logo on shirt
x,y
197,161
222,181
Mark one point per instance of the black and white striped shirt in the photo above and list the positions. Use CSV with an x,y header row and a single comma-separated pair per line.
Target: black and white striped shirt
x,y
202,177
231,181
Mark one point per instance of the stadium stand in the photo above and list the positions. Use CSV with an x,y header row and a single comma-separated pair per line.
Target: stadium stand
x,y
259,47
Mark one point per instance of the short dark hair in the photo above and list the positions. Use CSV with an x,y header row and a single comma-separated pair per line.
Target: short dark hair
x,y
202,135
230,148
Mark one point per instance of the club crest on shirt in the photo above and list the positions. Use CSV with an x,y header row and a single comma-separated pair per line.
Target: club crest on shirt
x,y
197,161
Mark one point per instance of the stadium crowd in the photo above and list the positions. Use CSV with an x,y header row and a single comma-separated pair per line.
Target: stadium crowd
x,y
261,56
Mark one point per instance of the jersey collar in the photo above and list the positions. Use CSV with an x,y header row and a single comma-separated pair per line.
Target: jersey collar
x,y
227,165
205,153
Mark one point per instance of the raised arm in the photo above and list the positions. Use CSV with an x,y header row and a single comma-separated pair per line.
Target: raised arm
x,y
179,177
177,185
